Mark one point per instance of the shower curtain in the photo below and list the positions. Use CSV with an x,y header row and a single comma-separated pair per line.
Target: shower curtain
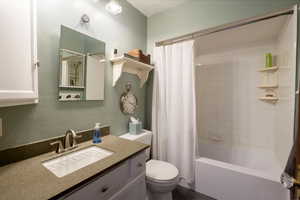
x,y
173,108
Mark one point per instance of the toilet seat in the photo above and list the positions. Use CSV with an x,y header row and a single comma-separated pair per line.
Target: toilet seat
x,y
161,172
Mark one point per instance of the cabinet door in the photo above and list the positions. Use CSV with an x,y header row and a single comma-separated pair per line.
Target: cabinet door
x,y
18,69
136,190
103,187
137,164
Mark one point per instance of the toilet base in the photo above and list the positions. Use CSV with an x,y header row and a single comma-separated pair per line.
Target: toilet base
x,y
159,196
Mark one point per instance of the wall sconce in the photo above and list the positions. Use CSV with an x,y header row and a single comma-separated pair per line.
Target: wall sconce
x,y
85,19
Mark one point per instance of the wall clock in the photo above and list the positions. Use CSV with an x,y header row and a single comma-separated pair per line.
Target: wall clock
x,y
128,101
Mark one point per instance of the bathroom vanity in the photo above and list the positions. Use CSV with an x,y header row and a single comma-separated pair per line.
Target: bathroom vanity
x,y
125,181
119,176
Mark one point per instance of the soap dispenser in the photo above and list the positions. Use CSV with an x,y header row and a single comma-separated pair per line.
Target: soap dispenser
x,y
97,134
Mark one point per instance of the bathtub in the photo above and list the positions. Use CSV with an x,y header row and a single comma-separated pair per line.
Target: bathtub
x,y
238,173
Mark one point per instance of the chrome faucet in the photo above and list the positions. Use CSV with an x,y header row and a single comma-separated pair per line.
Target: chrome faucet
x,y
68,145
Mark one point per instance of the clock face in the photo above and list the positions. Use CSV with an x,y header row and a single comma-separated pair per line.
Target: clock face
x,y
128,103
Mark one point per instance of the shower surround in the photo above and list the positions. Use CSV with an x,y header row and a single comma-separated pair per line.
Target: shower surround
x,y
244,142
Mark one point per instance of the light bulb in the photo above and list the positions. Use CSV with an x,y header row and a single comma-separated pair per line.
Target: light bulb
x,y
113,7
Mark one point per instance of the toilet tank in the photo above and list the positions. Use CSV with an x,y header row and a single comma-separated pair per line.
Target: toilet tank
x,y
145,137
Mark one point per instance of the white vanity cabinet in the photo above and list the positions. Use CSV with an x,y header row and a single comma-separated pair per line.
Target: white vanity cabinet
x,y
18,62
125,181
136,189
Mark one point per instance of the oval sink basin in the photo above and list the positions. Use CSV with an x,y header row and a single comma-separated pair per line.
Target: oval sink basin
x,y
66,164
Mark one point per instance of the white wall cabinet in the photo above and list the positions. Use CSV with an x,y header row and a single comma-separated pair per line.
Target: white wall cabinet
x,y
18,53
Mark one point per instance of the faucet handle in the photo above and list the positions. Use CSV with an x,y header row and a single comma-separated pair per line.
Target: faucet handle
x,y
59,148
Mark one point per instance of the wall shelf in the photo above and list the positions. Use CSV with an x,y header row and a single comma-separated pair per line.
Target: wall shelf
x,y
268,69
124,64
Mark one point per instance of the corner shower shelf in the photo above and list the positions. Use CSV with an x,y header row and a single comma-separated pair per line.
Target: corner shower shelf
x,y
129,65
270,99
269,69
269,83
268,86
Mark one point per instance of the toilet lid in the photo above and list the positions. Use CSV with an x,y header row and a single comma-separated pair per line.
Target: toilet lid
x,y
160,170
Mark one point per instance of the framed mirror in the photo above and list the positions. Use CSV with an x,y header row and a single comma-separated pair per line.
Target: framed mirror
x,y
81,66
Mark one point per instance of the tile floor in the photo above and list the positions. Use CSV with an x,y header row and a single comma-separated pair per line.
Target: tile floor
x,y
181,193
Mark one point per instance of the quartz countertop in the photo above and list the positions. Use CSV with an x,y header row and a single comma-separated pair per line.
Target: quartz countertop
x,y
29,179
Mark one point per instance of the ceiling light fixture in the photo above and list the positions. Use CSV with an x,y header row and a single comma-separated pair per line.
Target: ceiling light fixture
x,y
114,7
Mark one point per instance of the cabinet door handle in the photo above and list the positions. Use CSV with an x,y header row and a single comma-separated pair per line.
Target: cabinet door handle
x,y
37,63
104,189
140,165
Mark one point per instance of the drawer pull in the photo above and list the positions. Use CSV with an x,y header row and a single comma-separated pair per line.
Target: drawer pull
x,y
140,165
104,189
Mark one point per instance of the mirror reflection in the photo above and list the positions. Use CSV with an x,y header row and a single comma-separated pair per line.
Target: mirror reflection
x,y
72,69
82,63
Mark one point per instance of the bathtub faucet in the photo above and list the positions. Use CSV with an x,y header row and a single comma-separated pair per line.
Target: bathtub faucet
x,y
288,182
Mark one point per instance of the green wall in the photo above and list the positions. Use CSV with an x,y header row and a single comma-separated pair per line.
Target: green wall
x,y
196,15
50,118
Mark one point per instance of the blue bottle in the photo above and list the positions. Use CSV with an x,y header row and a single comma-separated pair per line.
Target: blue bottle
x,y
97,134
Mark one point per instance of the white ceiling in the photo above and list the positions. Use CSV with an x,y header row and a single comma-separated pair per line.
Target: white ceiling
x,y
151,7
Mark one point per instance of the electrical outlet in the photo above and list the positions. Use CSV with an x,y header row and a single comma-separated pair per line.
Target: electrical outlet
x,y
1,127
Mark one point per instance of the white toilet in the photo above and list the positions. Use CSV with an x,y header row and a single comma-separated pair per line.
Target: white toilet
x,y
161,177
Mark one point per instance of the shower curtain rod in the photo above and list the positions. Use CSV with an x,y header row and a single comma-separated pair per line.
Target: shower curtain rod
x,y
224,27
